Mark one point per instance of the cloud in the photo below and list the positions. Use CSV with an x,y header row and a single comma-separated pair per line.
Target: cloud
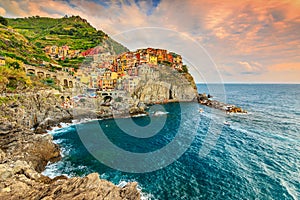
x,y
2,11
230,31
242,69
250,68
286,67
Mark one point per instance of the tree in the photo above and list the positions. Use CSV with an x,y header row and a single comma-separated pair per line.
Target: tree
x,y
48,81
3,21
184,69
15,65
38,44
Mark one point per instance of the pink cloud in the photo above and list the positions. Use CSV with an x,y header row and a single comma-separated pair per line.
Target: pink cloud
x,y
2,11
261,31
283,67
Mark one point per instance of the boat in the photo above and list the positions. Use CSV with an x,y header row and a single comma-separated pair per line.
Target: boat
x,y
158,113
201,110
226,123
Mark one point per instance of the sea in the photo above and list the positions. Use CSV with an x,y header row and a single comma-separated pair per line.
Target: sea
x,y
190,151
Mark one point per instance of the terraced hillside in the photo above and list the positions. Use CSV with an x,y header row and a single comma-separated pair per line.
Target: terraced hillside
x,y
25,38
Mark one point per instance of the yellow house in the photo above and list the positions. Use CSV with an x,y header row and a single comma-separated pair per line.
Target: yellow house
x,y
107,84
124,61
153,60
85,79
2,61
114,75
108,80
54,50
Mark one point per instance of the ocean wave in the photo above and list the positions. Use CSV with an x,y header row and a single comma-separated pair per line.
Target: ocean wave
x,y
291,191
144,195
123,182
62,126
140,115
52,170
255,157
158,113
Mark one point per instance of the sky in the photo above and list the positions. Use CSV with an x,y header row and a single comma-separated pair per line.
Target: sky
x,y
221,41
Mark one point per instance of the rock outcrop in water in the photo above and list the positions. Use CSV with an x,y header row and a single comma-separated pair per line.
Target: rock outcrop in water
x,y
228,108
24,153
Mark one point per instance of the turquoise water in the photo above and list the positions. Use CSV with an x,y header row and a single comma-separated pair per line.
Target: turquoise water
x,y
256,157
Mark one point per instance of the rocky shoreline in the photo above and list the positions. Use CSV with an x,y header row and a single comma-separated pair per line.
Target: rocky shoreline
x,y
25,152
26,148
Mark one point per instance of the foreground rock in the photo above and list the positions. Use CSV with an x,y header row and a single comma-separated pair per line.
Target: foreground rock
x,y
24,153
23,182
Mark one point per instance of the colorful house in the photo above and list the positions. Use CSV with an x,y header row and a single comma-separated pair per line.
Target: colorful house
x,y
2,60
108,80
153,59
47,49
161,55
170,57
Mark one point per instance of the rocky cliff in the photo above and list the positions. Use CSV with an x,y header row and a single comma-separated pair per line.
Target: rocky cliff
x,y
165,84
38,110
25,153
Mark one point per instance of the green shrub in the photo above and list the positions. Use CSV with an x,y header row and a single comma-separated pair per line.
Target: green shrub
x,y
3,21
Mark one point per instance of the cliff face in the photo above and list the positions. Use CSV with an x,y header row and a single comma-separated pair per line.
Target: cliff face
x,y
164,84
24,154
38,110
21,144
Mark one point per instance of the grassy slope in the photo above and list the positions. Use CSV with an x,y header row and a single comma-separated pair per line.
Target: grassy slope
x,y
43,31
72,31
28,37
15,45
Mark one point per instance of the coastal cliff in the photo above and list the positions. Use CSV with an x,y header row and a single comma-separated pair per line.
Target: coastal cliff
x,y
26,148
24,153
165,85
29,107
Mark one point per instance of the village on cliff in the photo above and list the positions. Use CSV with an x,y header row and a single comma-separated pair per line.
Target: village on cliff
x,y
103,71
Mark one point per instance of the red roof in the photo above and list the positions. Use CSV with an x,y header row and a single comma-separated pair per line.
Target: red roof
x,y
92,51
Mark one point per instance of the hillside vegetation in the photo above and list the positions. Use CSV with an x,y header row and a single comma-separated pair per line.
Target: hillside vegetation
x,y
13,78
25,38
16,45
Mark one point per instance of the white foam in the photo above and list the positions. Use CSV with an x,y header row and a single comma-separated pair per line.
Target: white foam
x,y
51,170
290,190
58,141
144,195
140,115
62,125
122,184
156,113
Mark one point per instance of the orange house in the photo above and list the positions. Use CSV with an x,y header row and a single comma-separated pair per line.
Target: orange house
x,y
170,58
